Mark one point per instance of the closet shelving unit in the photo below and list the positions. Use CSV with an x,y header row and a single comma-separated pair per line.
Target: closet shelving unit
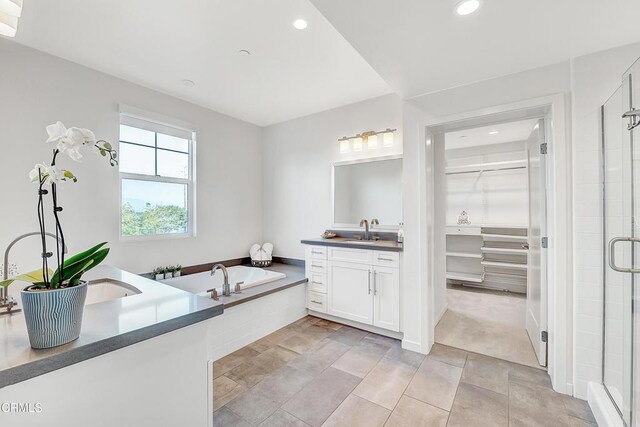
x,y
492,256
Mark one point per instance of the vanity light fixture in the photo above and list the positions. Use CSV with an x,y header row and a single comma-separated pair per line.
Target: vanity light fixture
x,y
369,137
467,7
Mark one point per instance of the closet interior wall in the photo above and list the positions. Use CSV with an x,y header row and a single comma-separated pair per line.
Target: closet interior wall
x,y
490,184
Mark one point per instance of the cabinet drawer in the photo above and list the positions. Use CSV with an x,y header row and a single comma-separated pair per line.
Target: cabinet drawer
x,y
317,301
386,259
317,266
318,282
316,252
470,231
360,256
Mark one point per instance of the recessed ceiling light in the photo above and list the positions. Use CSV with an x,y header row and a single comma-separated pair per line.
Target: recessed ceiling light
x,y
300,24
466,7
493,132
188,83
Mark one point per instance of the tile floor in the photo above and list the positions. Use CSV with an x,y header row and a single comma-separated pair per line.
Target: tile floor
x,y
487,322
319,373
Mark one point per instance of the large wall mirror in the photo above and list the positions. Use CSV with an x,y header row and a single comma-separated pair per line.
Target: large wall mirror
x,y
367,189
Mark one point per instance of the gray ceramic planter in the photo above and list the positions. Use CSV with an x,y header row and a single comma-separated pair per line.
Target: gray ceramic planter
x,y
54,317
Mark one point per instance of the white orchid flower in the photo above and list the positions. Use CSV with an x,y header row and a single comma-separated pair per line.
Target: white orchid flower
x,y
50,174
70,141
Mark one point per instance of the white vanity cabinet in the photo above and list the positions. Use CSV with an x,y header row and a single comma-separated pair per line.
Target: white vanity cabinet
x,y
361,285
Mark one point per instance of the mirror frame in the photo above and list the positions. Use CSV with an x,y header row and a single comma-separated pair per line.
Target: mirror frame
x,y
342,226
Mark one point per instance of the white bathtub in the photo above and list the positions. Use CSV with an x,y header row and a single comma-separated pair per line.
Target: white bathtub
x,y
199,283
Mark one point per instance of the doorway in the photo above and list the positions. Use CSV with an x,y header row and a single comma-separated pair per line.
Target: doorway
x,y
490,222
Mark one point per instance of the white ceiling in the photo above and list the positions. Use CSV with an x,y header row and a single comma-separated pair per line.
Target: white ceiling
x,y
158,43
422,46
507,132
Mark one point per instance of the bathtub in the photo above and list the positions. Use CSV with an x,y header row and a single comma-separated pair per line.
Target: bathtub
x,y
199,283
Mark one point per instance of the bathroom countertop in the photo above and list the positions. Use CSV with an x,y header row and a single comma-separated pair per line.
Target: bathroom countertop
x,y
378,245
106,326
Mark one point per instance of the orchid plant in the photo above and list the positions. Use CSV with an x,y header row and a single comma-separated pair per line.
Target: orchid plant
x,y
73,142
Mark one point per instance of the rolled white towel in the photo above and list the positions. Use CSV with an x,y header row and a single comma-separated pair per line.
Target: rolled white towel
x,y
254,250
268,249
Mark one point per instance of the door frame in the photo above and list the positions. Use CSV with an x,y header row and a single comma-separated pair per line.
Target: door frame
x,y
554,109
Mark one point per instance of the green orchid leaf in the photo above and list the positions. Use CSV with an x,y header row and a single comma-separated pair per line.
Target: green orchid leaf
x,y
35,276
74,263
107,146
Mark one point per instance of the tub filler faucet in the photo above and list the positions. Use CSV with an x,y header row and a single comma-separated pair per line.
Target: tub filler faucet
x,y
226,287
365,223
7,302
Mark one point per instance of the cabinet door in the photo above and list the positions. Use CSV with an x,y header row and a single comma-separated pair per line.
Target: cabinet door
x,y
386,298
350,292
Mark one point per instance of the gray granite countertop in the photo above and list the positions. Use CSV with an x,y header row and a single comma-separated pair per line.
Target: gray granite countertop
x,y
378,245
106,326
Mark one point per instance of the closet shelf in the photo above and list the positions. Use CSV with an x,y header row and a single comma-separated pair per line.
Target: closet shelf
x,y
504,265
504,237
464,255
465,277
504,251
486,167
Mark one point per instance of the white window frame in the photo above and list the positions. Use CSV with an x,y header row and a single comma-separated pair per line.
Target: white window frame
x,y
159,124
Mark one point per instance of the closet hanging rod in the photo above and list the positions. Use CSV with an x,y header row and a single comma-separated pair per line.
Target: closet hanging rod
x,y
486,170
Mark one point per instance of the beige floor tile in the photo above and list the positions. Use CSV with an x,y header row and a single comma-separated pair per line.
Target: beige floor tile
x,y
328,324
348,335
315,402
225,390
532,405
405,356
527,374
281,353
227,363
283,384
386,382
252,372
357,412
320,356
360,359
282,418
253,406
227,418
413,413
298,343
382,340
479,407
302,324
487,322
578,408
450,355
487,372
435,383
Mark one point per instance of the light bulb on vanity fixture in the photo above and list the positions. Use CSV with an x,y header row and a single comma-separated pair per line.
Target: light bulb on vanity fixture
x,y
344,145
387,138
10,11
357,143
372,142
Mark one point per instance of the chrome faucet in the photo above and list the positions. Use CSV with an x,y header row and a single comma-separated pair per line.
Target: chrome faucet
x,y
365,223
226,287
7,301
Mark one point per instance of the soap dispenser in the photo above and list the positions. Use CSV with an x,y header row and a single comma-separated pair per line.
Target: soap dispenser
x,y
401,233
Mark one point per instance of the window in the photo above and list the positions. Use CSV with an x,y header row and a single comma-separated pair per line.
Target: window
x,y
156,179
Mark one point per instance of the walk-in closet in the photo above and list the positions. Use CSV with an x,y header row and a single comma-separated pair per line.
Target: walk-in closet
x,y
492,189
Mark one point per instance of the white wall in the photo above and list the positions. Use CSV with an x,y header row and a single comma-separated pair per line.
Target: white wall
x,y
297,159
38,89
594,79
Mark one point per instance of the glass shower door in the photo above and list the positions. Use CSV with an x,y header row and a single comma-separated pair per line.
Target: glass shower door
x,y
621,174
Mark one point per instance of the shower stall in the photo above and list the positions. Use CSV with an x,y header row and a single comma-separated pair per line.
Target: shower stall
x,y
620,125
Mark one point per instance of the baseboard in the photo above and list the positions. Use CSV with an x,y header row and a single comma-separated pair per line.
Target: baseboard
x,y
603,410
358,325
439,316
411,345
